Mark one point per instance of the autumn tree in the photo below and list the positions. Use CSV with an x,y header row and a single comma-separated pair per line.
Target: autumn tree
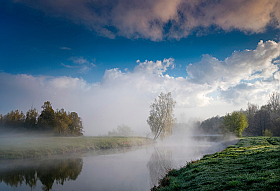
x,y
235,123
14,119
76,126
31,118
161,117
47,117
61,122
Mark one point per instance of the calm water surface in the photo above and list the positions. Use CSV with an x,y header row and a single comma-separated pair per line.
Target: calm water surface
x,y
123,169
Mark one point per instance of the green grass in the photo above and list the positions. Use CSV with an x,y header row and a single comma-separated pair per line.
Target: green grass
x,y
30,147
251,164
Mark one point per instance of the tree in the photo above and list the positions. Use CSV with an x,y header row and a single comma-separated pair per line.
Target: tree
x,y
76,126
276,127
1,119
161,117
31,118
274,102
122,130
250,114
235,122
211,125
262,120
47,118
14,119
274,111
61,122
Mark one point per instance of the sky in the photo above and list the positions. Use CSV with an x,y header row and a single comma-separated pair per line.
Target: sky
x,y
108,60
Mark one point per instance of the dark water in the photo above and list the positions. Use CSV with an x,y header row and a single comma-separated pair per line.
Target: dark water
x,y
123,169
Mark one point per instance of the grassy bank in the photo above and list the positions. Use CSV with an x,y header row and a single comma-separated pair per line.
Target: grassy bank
x,y
251,164
30,147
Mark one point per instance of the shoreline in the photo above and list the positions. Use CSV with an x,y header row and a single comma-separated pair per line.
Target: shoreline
x,y
251,164
31,147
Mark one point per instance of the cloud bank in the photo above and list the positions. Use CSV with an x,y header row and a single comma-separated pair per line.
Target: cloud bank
x,y
123,97
163,19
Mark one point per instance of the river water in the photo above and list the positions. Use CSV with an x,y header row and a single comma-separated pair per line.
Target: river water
x,y
116,169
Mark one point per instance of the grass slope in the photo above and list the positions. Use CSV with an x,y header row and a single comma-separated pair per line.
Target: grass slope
x,y
251,164
29,147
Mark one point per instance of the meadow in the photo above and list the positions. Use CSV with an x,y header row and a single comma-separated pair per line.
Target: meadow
x,y
252,164
35,147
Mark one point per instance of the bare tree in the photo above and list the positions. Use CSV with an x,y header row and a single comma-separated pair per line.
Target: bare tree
x,y
274,101
262,120
161,117
251,111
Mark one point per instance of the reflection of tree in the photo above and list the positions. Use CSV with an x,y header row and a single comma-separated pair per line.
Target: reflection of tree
x,y
12,178
54,170
30,178
159,163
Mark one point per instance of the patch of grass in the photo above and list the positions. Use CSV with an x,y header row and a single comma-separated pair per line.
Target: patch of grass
x,y
251,164
30,147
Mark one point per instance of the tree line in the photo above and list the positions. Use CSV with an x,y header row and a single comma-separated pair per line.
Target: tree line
x,y
254,121
59,121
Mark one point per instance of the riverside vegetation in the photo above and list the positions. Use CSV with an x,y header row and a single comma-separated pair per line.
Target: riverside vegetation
x,y
31,147
251,164
60,122
51,133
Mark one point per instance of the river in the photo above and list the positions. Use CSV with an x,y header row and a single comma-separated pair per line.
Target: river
x,y
116,169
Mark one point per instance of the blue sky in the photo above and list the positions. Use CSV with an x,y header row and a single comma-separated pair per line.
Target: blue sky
x,y
107,48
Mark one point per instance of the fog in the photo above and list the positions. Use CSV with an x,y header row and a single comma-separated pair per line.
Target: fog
x,y
109,169
67,39
106,169
212,87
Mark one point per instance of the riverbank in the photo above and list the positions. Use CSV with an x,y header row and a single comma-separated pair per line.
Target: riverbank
x,y
252,164
36,147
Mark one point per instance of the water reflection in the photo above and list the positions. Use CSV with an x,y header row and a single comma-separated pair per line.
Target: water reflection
x,y
126,170
49,171
159,163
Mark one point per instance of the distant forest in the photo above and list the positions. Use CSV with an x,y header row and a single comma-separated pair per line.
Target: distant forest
x,y
60,122
262,121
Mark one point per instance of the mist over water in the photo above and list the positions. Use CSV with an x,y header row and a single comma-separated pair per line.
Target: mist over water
x,y
114,169
109,76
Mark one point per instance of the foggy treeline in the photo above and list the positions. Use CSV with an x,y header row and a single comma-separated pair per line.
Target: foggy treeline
x,y
122,130
262,121
59,121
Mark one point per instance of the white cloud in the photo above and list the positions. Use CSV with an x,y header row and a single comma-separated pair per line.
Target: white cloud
x,y
160,19
244,65
245,76
120,97
158,67
81,64
123,97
